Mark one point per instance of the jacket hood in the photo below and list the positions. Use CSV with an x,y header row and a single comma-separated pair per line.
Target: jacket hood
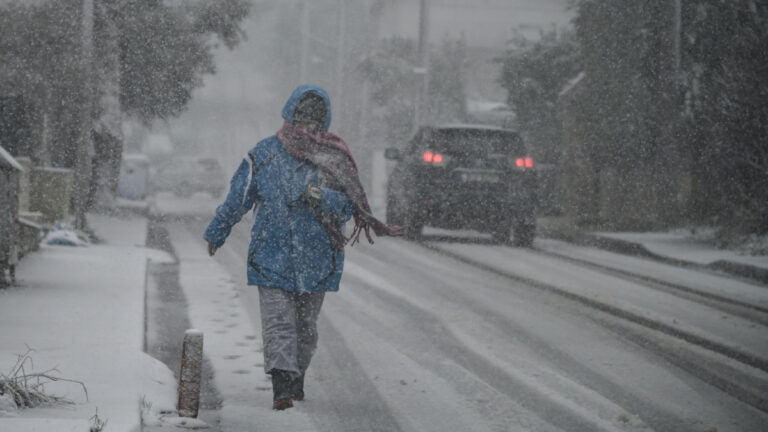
x,y
290,105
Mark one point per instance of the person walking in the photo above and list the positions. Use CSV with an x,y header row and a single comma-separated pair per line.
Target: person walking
x,y
303,186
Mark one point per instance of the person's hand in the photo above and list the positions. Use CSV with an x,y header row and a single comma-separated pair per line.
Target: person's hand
x,y
313,194
211,249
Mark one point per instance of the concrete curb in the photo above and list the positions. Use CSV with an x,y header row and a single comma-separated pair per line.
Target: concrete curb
x,y
166,300
745,271
753,273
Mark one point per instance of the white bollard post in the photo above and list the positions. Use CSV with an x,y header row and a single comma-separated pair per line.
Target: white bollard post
x,y
189,377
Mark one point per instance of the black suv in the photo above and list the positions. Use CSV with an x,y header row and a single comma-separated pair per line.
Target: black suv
x,y
476,177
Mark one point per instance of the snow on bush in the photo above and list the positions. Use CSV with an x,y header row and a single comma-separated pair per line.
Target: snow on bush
x,y
62,234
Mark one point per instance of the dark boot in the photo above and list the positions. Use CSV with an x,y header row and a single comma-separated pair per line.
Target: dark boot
x,y
297,388
281,389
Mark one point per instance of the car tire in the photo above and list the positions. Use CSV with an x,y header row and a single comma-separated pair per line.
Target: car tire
x,y
523,234
414,225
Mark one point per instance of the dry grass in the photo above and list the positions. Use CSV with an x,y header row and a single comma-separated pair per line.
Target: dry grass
x,y
28,389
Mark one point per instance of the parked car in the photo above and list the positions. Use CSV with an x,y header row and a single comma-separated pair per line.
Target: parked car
x,y
186,175
464,177
134,177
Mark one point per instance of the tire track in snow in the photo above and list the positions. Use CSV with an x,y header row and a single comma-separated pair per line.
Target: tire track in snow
x,y
732,378
558,410
712,369
750,311
340,396
734,352
722,371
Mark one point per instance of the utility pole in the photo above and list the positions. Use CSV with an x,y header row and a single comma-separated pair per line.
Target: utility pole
x,y
341,52
304,63
83,157
671,164
422,107
676,37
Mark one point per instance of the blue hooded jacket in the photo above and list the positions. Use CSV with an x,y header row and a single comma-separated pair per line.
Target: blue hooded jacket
x,y
290,248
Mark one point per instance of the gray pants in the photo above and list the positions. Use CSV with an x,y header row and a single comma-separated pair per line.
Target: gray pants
x,y
289,328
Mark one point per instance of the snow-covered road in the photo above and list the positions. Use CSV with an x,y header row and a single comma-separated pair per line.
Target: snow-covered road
x,y
471,337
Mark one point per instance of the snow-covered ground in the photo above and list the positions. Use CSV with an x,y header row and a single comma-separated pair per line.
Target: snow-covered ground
x,y
684,246
81,310
415,339
232,340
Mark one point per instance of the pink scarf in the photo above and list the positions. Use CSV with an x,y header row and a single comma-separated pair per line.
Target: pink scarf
x,y
331,155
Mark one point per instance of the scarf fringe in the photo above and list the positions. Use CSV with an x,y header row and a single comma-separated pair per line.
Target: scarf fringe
x,y
379,228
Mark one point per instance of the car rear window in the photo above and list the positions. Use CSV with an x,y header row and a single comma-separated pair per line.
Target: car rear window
x,y
465,141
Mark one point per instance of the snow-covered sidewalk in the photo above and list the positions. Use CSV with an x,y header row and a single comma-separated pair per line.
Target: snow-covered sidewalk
x,y
81,309
232,339
682,245
678,246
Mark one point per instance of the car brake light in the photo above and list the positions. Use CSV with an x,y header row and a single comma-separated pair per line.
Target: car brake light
x,y
432,157
526,162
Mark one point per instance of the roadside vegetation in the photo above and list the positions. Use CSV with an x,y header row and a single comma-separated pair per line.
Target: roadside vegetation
x,y
652,123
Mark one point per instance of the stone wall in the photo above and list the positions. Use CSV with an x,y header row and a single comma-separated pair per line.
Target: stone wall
x,y
51,192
